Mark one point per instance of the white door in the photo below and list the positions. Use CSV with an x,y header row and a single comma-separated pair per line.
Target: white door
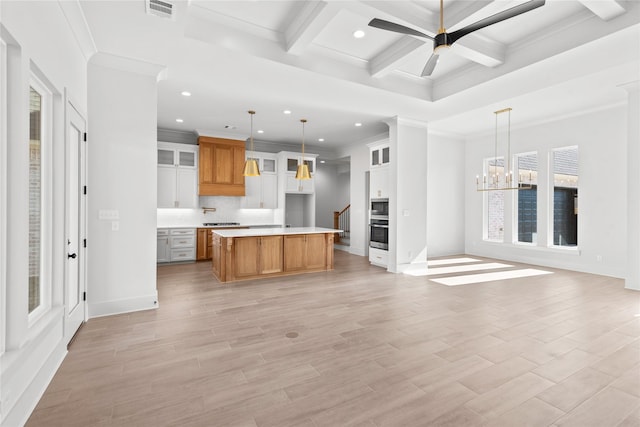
x,y
75,283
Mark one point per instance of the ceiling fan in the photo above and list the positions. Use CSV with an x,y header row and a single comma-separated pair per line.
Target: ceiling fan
x,y
444,39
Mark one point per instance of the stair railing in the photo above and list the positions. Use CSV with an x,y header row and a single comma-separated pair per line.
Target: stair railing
x,y
342,222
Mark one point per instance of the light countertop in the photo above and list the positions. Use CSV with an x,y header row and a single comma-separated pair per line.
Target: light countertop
x,y
217,226
252,232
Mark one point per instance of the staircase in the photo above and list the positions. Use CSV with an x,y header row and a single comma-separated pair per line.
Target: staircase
x,y
342,222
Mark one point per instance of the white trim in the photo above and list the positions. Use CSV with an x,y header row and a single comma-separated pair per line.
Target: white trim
x,y
128,305
46,188
3,196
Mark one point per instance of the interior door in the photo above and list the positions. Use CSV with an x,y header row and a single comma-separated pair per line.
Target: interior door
x,y
75,215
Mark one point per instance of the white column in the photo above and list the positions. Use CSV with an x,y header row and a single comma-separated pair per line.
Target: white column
x,y
632,279
408,193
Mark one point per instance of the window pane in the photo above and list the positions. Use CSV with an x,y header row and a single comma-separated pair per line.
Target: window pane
x,y
527,165
495,200
565,197
35,198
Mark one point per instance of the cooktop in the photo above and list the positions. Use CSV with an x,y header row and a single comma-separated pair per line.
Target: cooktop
x,y
214,224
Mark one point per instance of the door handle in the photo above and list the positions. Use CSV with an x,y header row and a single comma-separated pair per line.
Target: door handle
x,y
72,256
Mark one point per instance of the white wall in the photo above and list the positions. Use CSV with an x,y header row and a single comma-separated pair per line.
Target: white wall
x,y
123,178
39,39
445,195
601,140
359,156
326,184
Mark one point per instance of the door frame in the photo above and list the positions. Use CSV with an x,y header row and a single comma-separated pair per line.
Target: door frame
x,y
74,116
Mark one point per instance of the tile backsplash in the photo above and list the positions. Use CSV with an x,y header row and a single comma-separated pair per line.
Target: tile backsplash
x,y
227,210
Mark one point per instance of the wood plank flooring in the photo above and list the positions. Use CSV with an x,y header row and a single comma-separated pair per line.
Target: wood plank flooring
x,y
367,348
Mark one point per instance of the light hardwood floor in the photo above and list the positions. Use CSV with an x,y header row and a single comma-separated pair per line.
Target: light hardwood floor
x,y
372,349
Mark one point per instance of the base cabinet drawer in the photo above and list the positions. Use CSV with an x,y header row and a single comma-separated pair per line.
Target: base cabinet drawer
x,y
182,242
186,254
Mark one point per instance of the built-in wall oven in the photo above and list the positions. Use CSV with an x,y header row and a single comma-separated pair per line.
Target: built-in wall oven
x,y
379,233
379,224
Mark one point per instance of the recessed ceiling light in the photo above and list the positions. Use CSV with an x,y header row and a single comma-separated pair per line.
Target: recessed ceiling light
x,y
358,124
229,127
321,139
179,120
286,112
322,161
260,131
185,93
358,34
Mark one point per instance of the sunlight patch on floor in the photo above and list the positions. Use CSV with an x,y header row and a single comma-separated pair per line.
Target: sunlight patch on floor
x,y
435,262
427,271
489,277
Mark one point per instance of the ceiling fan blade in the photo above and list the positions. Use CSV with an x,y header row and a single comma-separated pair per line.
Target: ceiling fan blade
x,y
494,19
430,65
396,28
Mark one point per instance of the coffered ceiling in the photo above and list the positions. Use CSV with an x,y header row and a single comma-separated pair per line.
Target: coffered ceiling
x,y
301,56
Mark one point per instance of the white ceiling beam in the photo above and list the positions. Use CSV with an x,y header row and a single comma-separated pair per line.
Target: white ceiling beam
x,y
403,12
387,60
311,20
605,9
480,50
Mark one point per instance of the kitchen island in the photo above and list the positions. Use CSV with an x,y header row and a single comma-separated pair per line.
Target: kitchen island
x,y
243,254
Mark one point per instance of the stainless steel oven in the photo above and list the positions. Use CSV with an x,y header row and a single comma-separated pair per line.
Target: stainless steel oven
x,y
379,233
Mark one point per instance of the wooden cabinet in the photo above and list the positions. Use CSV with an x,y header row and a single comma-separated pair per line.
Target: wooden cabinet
x,y
250,257
221,163
177,175
305,252
203,247
255,256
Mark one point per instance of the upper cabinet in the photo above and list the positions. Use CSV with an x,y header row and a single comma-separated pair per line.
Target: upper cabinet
x,y
261,192
177,175
289,166
221,163
379,155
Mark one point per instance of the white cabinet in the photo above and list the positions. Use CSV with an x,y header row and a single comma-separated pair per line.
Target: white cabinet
x,y
379,183
379,257
379,155
163,248
289,165
261,192
177,175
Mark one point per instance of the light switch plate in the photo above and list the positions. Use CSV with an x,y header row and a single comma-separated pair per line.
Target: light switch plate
x,y
108,214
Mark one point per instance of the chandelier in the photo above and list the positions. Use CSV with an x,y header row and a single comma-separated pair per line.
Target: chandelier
x,y
499,176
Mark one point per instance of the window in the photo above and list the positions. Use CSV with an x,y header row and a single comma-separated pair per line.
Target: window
x,y
565,197
40,106
527,204
494,200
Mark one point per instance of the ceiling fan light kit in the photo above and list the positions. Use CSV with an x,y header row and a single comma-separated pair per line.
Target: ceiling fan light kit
x,y
443,39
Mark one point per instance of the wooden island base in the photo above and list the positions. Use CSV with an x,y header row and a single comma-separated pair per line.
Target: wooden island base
x,y
251,254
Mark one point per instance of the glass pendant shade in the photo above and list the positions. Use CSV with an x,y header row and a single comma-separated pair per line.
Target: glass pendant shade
x,y
303,172
251,165
251,168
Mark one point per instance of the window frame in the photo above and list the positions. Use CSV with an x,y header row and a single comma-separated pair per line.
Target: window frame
x,y
485,201
516,199
46,185
551,199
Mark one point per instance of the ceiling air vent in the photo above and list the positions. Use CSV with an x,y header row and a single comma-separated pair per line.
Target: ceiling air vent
x,y
163,9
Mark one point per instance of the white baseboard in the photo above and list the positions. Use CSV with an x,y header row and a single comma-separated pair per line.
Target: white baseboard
x,y
107,308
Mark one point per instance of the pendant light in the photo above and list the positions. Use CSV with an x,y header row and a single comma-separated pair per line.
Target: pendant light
x,y
251,164
500,175
303,168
